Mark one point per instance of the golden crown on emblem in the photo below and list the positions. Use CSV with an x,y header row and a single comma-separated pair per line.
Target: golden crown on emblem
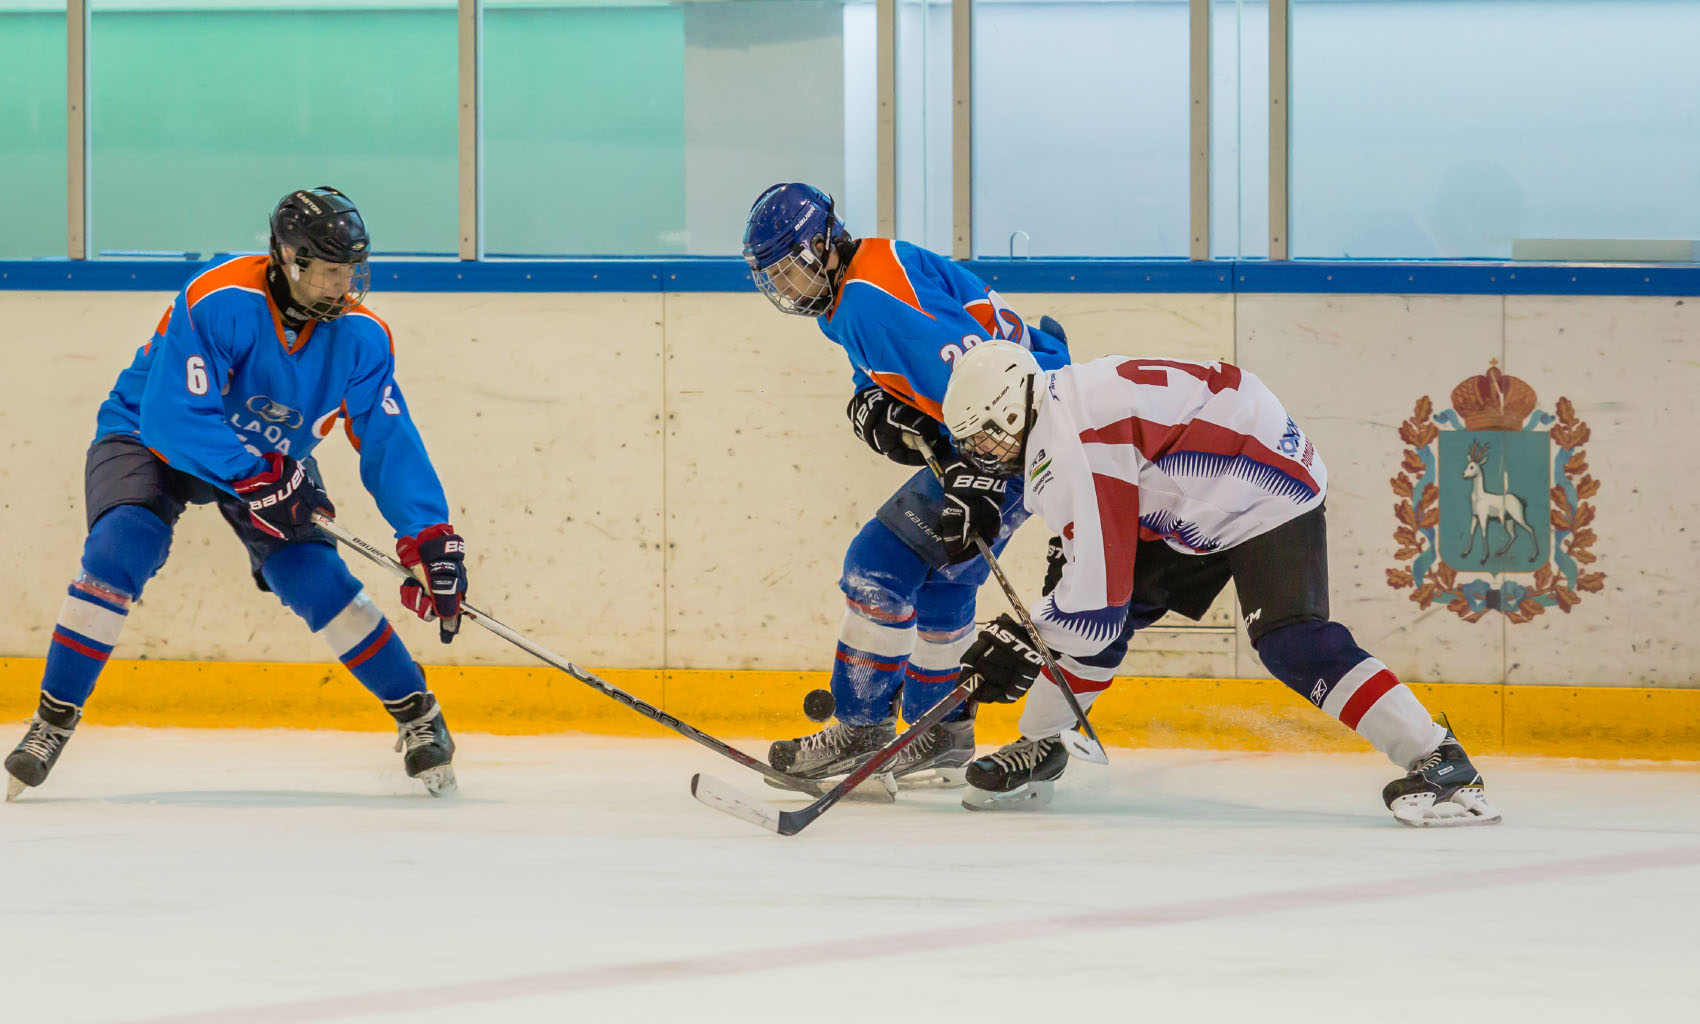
x,y
1494,400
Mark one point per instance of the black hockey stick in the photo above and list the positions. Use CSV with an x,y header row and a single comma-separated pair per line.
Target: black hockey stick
x,y
738,804
600,686
1088,747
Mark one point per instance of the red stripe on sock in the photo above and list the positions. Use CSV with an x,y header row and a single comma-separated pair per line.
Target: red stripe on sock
x,y
84,649
1078,684
371,648
861,662
1370,692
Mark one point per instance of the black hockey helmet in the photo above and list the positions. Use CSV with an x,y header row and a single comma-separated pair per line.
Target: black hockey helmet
x,y
321,224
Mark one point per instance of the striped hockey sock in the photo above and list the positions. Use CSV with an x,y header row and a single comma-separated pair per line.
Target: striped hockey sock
x,y
366,644
89,624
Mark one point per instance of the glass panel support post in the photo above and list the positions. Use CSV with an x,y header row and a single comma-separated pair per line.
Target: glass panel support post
x,y
469,34
1199,129
962,129
885,129
1280,127
76,129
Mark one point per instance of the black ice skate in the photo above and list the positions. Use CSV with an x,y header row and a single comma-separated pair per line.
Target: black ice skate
x,y
1020,776
936,758
423,739
28,764
839,749
1442,790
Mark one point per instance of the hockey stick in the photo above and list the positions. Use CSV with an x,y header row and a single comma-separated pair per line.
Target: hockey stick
x,y
733,801
606,689
1086,747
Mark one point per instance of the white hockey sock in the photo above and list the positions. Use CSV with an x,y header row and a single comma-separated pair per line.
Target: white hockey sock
x,y
1046,712
1371,700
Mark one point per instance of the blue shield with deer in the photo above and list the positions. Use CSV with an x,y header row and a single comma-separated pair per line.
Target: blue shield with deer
x,y
1493,500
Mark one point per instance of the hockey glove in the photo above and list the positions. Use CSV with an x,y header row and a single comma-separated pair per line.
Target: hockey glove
x,y
281,499
973,509
880,420
440,553
1001,661
1055,560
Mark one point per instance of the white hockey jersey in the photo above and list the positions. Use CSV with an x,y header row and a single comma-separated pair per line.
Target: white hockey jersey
x,y
1200,455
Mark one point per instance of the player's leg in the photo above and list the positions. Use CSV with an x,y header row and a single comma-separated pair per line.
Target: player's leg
x,y
1282,580
132,506
312,581
881,580
944,629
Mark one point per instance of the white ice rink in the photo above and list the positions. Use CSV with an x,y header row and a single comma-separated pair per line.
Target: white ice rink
x,y
204,876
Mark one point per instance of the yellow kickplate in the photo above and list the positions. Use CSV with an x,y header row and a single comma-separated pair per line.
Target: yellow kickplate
x,y
1228,714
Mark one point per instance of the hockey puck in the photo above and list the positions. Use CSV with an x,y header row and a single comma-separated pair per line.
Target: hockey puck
x,y
819,705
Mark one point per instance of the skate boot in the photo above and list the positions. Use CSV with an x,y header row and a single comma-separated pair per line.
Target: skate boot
x,y
1442,790
422,738
1021,776
28,764
936,758
838,749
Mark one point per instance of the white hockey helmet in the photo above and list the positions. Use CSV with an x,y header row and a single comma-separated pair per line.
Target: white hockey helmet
x,y
988,404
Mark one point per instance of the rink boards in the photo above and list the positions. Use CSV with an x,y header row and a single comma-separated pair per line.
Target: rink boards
x,y
664,482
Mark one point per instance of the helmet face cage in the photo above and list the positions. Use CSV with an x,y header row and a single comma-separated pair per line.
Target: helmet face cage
x,y
320,242
992,449
787,239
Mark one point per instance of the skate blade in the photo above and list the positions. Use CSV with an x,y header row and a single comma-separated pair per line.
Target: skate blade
x,y
1031,797
440,781
1079,745
934,778
1465,808
14,787
880,789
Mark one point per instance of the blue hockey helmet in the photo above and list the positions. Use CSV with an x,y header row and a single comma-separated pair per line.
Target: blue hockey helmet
x,y
790,231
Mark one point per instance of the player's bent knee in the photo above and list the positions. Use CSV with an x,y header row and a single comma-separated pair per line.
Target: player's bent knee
x,y
312,581
125,547
1303,652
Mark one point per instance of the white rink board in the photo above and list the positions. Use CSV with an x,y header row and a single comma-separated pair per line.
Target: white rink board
x,y
668,481
212,876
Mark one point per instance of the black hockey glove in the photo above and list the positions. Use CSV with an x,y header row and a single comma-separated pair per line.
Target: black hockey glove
x,y
1054,563
880,420
1002,662
281,499
973,509
441,553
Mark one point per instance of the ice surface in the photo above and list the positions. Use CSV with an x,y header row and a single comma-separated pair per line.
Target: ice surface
x,y
185,875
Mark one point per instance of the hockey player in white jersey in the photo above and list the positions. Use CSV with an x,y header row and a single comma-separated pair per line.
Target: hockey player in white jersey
x,y
1166,479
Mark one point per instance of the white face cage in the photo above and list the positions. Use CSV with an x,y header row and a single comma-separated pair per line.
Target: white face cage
x,y
326,290
796,283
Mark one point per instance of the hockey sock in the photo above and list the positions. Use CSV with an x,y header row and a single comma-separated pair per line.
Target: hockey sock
x,y
1046,712
316,585
1321,662
933,670
124,549
867,668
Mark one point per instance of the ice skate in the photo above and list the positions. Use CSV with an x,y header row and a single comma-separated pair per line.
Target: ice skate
x,y
1443,790
1020,776
422,738
838,749
936,759
28,763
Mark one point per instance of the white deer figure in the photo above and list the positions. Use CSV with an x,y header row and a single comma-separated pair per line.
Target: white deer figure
x,y
1485,507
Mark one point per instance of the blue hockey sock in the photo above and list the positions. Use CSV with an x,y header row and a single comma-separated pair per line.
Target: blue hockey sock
x,y
933,671
315,584
867,669
124,549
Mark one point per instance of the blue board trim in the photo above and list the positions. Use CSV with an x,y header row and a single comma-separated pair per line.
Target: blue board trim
x,y
727,274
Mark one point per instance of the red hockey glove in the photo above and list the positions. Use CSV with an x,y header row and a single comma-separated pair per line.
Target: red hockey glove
x,y
441,554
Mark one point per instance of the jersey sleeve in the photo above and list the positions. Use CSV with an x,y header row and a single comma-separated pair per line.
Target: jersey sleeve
x,y
182,411
394,465
1099,515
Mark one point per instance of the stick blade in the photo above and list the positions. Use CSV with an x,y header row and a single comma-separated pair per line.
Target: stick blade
x,y
730,800
1078,744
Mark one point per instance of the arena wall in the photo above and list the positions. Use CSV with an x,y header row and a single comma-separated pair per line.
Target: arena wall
x,y
663,483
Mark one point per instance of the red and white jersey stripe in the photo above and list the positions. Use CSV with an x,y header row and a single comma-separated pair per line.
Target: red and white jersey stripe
x,y
1199,455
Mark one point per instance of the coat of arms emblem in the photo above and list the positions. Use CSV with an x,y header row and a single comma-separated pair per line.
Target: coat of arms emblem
x,y
1493,511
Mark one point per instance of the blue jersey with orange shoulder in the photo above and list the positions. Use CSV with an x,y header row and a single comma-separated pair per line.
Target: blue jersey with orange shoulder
x,y
905,314
222,381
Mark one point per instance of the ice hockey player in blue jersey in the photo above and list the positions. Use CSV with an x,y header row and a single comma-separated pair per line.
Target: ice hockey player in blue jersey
x,y
903,315
251,367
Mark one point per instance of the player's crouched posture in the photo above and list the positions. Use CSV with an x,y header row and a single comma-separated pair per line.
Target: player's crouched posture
x,y
903,316
1166,479
249,369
